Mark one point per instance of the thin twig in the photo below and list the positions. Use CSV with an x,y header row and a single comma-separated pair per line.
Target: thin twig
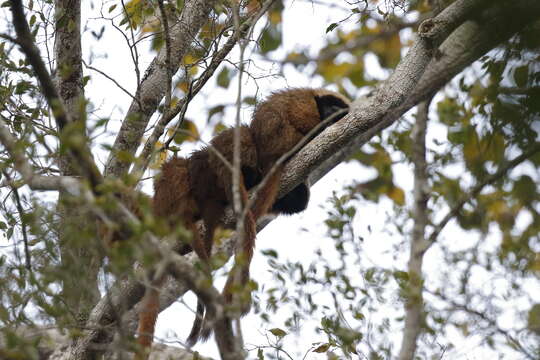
x,y
133,50
167,35
111,79
20,210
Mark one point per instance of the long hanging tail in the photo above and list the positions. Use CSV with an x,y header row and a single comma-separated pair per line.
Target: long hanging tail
x,y
197,325
204,251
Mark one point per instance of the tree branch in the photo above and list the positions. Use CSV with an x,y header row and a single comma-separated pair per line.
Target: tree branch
x,y
414,305
153,86
465,45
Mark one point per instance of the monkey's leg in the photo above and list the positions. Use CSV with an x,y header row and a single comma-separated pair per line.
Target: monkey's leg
x,y
147,321
267,194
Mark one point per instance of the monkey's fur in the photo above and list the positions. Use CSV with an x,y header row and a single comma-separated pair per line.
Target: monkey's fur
x,y
200,188
278,124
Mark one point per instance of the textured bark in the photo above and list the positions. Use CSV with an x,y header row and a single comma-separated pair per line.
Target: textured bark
x,y
153,86
52,344
79,262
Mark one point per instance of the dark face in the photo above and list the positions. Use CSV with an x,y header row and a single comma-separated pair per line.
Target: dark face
x,y
328,105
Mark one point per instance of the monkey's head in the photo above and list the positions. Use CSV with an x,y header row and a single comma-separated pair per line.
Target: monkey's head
x,y
329,103
303,108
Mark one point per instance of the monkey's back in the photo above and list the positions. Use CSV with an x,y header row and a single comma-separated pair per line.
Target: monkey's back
x,y
224,144
281,121
172,192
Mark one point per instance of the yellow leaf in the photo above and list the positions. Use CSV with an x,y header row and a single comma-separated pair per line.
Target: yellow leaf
x,y
471,149
160,157
275,17
184,86
322,348
278,332
397,195
193,70
190,59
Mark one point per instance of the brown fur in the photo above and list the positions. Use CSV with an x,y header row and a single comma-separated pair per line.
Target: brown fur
x,y
200,187
278,124
196,188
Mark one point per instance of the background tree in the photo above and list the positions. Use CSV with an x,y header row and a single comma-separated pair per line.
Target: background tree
x,y
469,210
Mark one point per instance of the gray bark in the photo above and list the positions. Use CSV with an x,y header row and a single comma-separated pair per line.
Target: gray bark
x,y
414,306
80,263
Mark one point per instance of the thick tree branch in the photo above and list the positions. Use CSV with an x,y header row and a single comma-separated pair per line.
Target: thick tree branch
x,y
154,84
465,45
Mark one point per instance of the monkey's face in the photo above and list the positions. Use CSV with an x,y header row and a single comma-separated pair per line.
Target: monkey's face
x,y
331,103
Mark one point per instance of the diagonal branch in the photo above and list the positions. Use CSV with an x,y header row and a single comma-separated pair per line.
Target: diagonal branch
x,y
154,84
465,45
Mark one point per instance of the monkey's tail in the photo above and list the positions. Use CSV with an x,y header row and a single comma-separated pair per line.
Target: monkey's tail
x,y
198,323
147,322
203,248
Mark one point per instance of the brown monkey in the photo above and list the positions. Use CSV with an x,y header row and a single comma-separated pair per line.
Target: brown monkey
x,y
200,188
278,124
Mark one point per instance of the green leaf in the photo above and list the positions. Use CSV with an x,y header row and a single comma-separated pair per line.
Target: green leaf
x,y
218,109
270,253
224,78
521,75
331,27
270,39
322,348
112,8
278,332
